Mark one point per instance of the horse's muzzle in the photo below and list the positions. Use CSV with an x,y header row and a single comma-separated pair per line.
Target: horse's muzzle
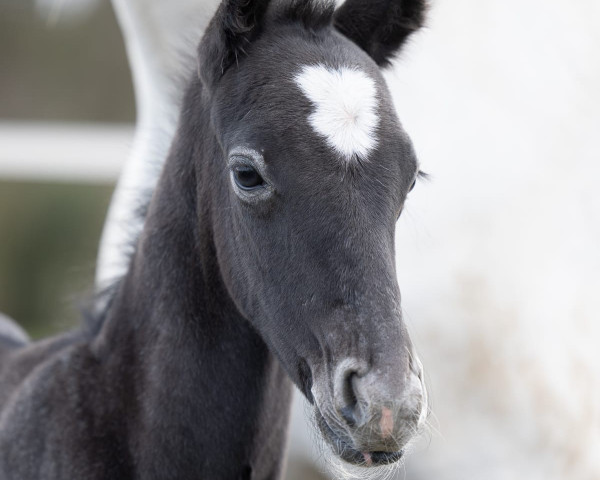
x,y
374,412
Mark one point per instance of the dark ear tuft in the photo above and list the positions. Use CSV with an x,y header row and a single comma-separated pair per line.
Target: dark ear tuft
x,y
234,27
380,27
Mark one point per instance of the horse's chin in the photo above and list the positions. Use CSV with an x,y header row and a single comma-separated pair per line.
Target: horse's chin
x,y
341,446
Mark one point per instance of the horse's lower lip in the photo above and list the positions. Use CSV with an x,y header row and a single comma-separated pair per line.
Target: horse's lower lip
x,y
370,459
350,454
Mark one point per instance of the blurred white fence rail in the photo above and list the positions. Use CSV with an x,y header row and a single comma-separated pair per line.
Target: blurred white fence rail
x,y
63,152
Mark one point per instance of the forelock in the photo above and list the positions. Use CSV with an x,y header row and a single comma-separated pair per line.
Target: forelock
x,y
313,14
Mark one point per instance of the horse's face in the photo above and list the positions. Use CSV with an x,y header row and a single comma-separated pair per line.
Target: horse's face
x,y
314,173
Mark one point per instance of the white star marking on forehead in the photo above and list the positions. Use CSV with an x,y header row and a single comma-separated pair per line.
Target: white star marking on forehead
x,y
345,114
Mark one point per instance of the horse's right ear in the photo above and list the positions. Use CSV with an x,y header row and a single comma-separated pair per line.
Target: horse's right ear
x,y
380,27
231,31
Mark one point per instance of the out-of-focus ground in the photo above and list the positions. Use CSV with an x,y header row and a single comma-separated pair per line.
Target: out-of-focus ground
x,y
498,255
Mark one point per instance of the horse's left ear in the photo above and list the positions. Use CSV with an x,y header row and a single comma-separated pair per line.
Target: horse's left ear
x,y
380,27
234,27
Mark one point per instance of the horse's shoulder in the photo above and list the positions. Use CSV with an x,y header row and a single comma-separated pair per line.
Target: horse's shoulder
x,y
26,365
43,391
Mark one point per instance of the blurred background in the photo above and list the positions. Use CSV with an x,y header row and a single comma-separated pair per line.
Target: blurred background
x,y
498,254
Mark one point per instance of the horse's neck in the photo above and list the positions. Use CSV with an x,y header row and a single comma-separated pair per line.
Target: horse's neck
x,y
211,398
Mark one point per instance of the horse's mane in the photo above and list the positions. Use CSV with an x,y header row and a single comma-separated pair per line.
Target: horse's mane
x,y
96,309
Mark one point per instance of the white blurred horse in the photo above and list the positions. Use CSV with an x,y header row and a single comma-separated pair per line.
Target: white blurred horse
x,y
161,39
498,257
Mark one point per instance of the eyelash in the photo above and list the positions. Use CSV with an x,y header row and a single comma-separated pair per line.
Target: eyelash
x,y
420,175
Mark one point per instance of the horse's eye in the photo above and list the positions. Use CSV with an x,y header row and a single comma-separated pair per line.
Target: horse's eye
x,y
246,177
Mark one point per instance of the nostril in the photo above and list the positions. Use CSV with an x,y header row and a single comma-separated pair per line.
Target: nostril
x,y
349,401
